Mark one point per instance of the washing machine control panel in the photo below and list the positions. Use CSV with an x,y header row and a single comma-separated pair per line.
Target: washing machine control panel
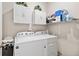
x,y
41,33
31,33
25,33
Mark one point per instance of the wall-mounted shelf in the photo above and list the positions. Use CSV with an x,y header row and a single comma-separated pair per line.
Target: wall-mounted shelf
x,y
62,22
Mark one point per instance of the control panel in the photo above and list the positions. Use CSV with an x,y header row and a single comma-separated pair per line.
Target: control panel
x,y
25,33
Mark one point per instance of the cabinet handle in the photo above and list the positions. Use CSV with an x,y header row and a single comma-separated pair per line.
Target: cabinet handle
x,y
17,47
44,46
41,18
23,15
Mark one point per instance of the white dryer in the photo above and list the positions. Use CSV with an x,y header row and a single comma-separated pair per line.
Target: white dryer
x,y
35,44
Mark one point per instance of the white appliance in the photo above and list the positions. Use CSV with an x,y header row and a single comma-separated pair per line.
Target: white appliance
x,y
35,44
0,51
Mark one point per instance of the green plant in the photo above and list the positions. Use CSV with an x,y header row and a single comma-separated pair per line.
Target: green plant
x,y
22,3
37,7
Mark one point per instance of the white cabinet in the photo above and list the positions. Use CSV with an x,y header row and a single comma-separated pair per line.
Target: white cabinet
x,y
22,14
26,15
34,48
52,47
39,17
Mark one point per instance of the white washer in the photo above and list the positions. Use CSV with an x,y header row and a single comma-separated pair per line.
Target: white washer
x,y
35,44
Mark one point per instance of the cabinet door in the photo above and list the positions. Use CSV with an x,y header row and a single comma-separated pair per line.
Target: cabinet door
x,y
35,48
39,17
22,14
52,47
43,17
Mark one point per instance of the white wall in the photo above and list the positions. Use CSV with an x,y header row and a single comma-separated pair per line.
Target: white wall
x,y
72,7
7,6
65,31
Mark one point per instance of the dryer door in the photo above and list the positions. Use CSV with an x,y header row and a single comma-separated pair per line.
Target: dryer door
x,y
33,48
